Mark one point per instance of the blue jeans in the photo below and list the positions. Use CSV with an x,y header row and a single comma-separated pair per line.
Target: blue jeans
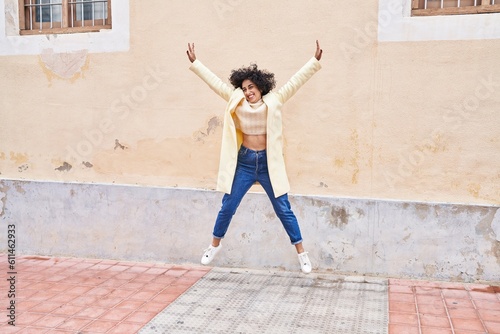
x,y
252,167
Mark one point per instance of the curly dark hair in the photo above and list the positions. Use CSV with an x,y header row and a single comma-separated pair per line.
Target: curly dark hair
x,y
263,79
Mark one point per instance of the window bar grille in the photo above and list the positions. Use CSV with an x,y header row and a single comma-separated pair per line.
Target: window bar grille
x,y
104,15
40,13
50,12
83,16
31,16
93,12
458,4
72,15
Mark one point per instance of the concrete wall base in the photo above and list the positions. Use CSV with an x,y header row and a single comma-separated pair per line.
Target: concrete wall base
x,y
345,235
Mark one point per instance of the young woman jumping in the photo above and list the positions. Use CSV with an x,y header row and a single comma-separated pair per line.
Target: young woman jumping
x,y
252,144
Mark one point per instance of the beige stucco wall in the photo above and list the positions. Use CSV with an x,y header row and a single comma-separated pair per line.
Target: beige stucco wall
x,y
393,120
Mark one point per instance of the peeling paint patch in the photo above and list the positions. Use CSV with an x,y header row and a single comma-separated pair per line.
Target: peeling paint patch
x,y
487,228
422,211
336,216
495,243
474,189
340,217
328,258
405,239
11,23
214,123
18,158
68,65
22,168
19,188
64,168
354,160
495,250
480,269
495,225
118,145
87,164
484,227
246,237
3,197
435,145
269,215
430,269
339,162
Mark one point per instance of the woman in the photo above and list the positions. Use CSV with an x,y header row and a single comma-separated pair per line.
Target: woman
x,y
252,144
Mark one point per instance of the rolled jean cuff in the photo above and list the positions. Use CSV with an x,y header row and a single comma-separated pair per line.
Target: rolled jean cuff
x,y
297,242
216,237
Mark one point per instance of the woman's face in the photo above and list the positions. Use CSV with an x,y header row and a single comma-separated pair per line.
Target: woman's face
x,y
252,93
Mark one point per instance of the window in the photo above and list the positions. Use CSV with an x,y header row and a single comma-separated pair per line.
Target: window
x,y
395,23
63,16
454,7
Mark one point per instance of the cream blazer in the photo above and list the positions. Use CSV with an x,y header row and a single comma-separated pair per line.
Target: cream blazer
x,y
232,137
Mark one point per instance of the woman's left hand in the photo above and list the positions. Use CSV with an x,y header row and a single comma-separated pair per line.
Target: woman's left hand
x,y
319,51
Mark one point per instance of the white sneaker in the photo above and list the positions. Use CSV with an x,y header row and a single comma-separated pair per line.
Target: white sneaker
x,y
305,263
210,253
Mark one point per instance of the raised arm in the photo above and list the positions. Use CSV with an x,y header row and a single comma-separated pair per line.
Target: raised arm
x,y
301,77
213,81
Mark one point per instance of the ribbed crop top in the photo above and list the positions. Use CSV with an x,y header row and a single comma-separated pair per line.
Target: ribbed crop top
x,y
251,118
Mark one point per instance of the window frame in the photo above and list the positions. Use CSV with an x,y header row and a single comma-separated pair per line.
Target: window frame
x,y
395,24
483,7
65,27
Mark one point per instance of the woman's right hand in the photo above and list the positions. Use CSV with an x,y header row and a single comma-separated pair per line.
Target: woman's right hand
x,y
317,54
190,52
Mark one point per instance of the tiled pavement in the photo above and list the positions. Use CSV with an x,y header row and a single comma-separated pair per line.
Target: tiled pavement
x,y
68,295
443,307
